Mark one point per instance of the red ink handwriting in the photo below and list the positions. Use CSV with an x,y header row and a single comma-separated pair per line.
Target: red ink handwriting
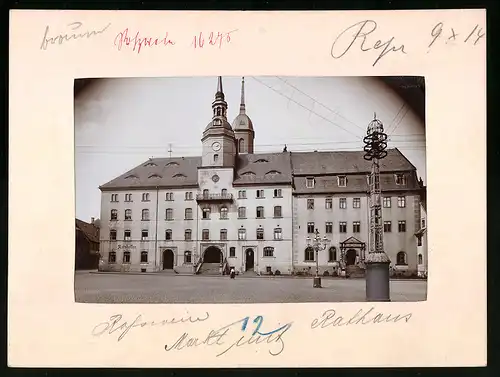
x,y
137,42
212,39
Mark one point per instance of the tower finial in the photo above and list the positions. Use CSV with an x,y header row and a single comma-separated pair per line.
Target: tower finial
x,y
374,115
219,85
242,103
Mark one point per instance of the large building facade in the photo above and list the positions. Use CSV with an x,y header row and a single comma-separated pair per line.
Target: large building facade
x,y
232,207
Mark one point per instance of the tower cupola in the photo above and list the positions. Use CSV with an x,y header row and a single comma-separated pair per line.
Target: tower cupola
x,y
243,126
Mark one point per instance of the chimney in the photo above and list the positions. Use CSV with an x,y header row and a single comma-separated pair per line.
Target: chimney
x,y
92,220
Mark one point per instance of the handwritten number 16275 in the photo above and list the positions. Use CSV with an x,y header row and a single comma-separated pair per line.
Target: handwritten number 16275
x,y
213,39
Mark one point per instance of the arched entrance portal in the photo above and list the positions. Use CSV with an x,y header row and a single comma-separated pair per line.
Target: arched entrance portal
x,y
212,255
249,259
168,259
350,257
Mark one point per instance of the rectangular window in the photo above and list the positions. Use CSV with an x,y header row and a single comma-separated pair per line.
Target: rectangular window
x,y
144,257
206,214
242,194
387,201
278,234
169,196
277,211
260,233
168,234
188,214
126,257
269,251
188,235
356,203
223,213
310,182
400,179
343,203
260,194
114,197
328,203
342,180
242,234
401,201
342,227
169,214
356,227
223,234
144,235
205,234
145,215
112,235
242,212
128,214
127,235
423,223
310,203
114,214
402,226
128,197
188,195
260,212
145,197
112,257
328,227
387,226
232,252
310,227
277,193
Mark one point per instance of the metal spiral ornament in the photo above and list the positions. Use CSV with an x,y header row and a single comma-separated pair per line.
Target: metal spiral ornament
x,y
375,141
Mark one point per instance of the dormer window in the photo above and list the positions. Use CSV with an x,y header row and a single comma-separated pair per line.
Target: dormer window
x,y
150,164
273,172
310,182
248,173
154,176
261,160
400,179
172,164
342,180
131,176
179,176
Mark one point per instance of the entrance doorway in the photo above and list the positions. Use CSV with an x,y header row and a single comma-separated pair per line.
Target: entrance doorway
x,y
212,255
249,260
168,259
350,257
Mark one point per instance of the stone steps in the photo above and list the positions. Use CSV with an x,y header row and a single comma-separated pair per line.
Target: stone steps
x,y
355,272
210,269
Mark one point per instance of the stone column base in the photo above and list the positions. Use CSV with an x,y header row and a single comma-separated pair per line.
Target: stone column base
x,y
377,277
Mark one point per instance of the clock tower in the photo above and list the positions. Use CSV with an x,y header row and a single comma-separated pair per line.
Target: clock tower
x,y
218,141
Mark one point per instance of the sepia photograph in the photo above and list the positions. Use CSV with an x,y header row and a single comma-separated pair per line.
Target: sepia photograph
x,y
254,189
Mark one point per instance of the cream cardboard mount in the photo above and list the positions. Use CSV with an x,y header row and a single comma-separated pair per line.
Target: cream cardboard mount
x,y
49,49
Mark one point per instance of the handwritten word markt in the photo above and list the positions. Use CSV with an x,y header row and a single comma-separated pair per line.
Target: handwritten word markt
x,y
243,332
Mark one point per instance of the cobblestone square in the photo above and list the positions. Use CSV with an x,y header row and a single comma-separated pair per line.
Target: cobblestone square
x,y
157,288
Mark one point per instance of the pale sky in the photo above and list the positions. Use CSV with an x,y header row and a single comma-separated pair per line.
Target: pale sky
x,y
120,123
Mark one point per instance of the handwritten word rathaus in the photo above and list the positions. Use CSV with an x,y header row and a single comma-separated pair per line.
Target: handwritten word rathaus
x,y
361,31
76,33
235,335
329,318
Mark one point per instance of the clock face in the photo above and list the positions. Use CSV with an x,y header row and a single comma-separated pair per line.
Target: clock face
x,y
215,178
216,146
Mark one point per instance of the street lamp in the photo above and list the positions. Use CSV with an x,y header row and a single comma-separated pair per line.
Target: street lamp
x,y
318,244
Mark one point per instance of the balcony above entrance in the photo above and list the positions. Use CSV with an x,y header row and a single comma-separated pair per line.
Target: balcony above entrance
x,y
214,198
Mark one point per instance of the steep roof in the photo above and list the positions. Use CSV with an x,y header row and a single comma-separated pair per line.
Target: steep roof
x,y
262,168
90,231
161,172
267,168
346,162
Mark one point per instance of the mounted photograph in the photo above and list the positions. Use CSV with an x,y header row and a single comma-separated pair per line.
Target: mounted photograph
x,y
254,189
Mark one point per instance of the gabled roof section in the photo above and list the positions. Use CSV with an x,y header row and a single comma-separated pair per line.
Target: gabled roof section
x,y
90,231
162,172
346,162
253,168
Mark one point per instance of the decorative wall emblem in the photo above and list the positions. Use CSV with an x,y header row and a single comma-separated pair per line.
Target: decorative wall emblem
x,y
215,178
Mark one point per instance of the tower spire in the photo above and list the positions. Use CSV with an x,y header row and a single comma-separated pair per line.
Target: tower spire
x,y
219,105
220,92
242,103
